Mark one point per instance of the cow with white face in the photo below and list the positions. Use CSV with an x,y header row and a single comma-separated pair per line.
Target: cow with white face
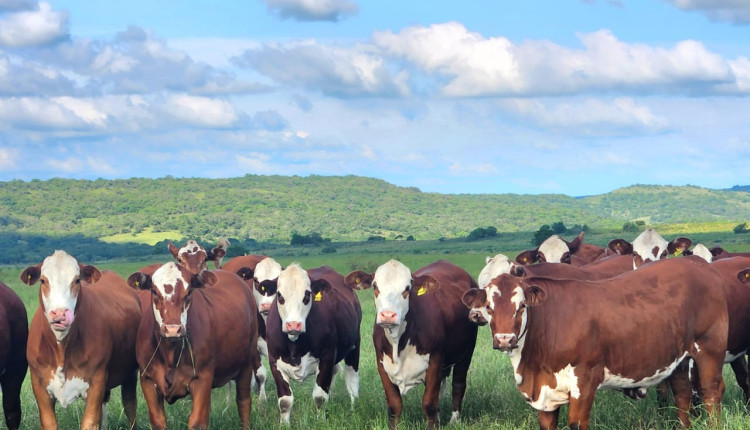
x,y
421,332
198,332
312,326
649,246
82,339
494,267
194,257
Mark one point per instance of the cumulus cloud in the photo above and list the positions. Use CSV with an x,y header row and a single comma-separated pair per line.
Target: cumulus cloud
x,y
474,65
590,117
312,10
33,27
202,111
338,71
736,11
8,158
16,5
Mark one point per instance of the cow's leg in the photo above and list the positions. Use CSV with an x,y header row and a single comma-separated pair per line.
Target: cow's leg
x,y
392,397
95,396
156,415
351,373
739,366
431,397
579,411
130,398
285,395
460,370
45,404
682,390
200,390
244,396
548,419
323,379
11,382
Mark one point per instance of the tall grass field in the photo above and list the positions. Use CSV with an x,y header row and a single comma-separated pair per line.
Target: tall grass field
x,y
491,402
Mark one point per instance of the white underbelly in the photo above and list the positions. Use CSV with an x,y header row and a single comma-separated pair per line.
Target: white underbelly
x,y
407,369
66,390
308,365
615,381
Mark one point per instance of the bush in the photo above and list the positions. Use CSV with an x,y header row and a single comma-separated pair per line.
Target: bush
x,y
740,228
328,250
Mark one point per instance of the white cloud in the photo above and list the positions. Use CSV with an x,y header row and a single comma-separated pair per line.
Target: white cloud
x,y
202,111
33,27
67,165
8,158
256,162
737,11
312,10
14,5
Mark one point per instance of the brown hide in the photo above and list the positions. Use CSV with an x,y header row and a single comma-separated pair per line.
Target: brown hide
x,y
14,332
220,345
99,349
634,325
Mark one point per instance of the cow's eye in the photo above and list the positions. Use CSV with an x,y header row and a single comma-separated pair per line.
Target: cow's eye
x,y
306,299
375,289
405,294
280,298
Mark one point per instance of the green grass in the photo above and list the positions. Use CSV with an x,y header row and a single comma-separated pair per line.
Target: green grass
x,y
147,236
491,402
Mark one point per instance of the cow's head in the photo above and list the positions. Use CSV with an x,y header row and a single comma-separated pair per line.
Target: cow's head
x,y
194,257
701,251
264,290
171,289
295,293
495,266
507,299
61,277
479,308
393,285
554,249
649,246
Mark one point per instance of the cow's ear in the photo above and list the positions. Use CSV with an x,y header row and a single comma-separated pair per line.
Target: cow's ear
x,y
474,298
173,249
574,244
359,280
716,251
535,295
424,284
320,287
205,278
519,271
487,259
218,253
31,274
267,287
245,273
90,274
139,281
744,276
679,245
620,247
527,257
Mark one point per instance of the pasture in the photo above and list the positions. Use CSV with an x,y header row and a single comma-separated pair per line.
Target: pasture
x,y
491,402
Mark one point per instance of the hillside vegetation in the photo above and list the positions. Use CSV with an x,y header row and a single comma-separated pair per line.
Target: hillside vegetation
x,y
270,209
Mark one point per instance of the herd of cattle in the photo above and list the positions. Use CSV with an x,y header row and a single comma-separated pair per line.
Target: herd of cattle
x,y
572,317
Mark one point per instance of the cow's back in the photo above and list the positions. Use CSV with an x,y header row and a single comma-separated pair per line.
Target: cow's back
x,y
738,301
236,263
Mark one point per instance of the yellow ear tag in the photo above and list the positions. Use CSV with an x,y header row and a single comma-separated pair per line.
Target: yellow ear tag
x,y
421,291
357,280
747,275
28,277
137,283
318,296
678,251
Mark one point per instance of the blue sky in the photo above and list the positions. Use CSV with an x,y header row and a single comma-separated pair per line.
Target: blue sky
x,y
558,96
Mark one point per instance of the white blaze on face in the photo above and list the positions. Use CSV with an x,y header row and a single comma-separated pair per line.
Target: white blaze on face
x,y
392,279
701,251
293,289
650,246
266,269
553,249
495,267
61,272
172,286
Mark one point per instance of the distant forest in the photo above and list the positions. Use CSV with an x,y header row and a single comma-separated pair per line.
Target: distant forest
x,y
271,209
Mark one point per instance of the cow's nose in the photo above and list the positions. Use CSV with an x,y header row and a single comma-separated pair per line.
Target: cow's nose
x,y
387,317
505,341
172,330
265,308
293,327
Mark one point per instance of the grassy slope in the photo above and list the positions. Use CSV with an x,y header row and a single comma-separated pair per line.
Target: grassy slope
x,y
491,402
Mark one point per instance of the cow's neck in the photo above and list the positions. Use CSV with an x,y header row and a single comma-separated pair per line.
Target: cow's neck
x,y
393,334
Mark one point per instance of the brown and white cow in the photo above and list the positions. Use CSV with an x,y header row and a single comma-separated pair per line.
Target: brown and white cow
x,y
194,257
719,253
82,339
566,338
198,332
311,328
554,249
421,332
14,332
649,246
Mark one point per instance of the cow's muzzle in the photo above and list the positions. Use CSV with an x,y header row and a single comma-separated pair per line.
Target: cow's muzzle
x,y
387,319
264,308
61,319
172,331
505,342
294,328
